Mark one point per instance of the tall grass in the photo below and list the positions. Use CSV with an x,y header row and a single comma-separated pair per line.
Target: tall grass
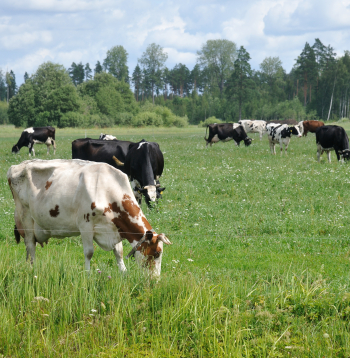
x,y
259,265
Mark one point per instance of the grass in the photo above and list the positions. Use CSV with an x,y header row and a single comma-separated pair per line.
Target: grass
x,y
269,240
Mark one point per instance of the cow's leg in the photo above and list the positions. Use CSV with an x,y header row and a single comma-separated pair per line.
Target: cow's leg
x,y
329,156
118,252
54,147
48,149
29,238
261,134
87,238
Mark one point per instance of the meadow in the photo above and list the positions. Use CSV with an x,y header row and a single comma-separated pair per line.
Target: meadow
x,y
259,265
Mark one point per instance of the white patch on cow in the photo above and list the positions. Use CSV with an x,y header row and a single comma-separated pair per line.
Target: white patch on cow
x,y
152,192
215,139
29,130
140,145
107,137
227,139
254,126
38,141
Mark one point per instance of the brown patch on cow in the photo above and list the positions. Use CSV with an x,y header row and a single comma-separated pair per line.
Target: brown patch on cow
x,y
107,210
93,206
146,223
87,218
132,208
48,184
54,212
93,214
127,229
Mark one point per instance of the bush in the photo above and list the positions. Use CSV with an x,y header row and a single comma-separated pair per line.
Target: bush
x,y
147,119
344,119
209,120
124,118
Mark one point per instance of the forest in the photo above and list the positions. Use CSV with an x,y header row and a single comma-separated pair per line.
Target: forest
x,y
222,84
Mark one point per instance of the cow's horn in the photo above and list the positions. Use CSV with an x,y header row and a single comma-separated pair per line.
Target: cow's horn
x,y
163,238
117,161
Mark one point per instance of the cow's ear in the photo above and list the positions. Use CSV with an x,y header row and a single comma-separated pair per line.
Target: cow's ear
x,y
149,236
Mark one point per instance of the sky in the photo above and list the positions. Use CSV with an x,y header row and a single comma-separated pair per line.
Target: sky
x,y
65,31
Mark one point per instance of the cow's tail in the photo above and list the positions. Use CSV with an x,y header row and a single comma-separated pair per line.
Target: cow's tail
x,y
17,235
206,133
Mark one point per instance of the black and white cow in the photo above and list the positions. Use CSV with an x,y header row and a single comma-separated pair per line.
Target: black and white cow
x,y
107,137
254,126
144,165
281,134
332,138
225,132
140,165
36,135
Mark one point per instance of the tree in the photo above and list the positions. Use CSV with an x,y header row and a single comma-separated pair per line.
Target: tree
x,y
217,57
77,73
98,68
240,84
116,63
3,94
11,85
272,74
26,76
136,79
152,62
88,71
307,68
181,77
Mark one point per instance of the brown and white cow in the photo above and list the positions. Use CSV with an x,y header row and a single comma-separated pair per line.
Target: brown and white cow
x,y
309,126
63,198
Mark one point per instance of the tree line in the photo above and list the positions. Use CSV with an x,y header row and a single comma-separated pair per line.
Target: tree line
x,y
221,84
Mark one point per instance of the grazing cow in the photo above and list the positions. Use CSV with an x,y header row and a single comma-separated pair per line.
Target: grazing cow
x,y
107,137
281,133
332,138
144,165
39,135
63,198
309,126
254,126
115,152
225,132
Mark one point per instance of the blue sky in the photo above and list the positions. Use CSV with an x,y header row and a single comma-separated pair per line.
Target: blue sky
x,y
66,31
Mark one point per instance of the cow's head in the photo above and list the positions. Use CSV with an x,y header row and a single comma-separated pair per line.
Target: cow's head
x,y
248,141
345,154
149,250
149,192
295,130
15,149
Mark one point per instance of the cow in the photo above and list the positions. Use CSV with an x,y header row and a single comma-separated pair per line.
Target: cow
x,y
309,126
225,132
144,165
254,126
107,137
63,198
281,133
332,138
114,153
39,135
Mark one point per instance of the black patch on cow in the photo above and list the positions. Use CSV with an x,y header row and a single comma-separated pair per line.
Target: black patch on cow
x,y
54,212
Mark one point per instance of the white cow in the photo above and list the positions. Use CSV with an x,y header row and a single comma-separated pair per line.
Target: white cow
x,y
63,198
281,134
107,137
254,126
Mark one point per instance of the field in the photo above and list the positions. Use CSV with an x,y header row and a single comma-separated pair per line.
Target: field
x,y
259,265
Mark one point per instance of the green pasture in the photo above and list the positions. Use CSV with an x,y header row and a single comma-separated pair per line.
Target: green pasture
x,y
259,265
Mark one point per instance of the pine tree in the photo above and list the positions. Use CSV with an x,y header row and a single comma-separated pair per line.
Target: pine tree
x,y
137,80
88,71
98,68
240,84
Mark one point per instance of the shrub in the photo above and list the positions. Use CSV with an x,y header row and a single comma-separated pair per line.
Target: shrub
x,y
209,120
